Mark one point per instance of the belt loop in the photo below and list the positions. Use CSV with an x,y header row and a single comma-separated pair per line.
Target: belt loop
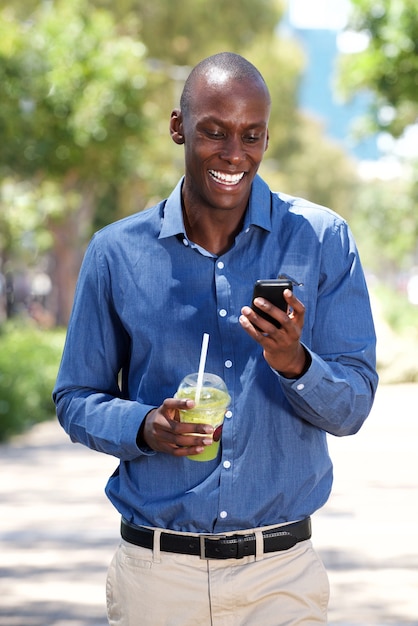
x,y
156,547
259,545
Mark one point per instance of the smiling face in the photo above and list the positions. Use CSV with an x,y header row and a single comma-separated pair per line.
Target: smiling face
x,y
224,131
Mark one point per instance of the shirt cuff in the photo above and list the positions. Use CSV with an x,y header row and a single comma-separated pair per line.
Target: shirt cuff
x,y
308,362
309,380
143,447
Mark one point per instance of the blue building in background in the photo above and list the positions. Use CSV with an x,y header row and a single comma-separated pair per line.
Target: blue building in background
x,y
317,26
317,94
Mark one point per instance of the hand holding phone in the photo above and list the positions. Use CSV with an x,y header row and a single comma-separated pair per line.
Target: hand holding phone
x,y
271,290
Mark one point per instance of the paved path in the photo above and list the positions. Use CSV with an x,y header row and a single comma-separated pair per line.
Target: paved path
x,y
58,532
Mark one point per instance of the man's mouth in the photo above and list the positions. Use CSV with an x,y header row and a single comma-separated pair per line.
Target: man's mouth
x,y
226,179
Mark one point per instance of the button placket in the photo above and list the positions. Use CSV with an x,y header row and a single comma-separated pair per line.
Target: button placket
x,y
224,312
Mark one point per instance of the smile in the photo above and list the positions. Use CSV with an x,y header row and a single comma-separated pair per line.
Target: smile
x,y
229,179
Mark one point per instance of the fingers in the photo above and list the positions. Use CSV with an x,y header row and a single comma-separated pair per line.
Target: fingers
x,y
163,432
296,306
259,328
281,346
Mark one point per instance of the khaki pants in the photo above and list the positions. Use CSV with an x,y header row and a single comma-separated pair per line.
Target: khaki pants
x,y
153,588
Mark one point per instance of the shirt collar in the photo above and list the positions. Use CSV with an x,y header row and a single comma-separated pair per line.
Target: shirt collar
x,y
257,214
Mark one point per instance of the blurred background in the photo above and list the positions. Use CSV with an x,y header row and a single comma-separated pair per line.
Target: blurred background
x,y
86,91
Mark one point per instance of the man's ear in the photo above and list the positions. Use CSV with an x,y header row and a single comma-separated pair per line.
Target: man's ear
x,y
176,127
267,140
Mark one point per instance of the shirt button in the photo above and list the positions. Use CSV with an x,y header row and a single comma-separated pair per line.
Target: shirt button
x,y
186,243
300,386
227,464
223,313
228,363
223,514
221,265
228,414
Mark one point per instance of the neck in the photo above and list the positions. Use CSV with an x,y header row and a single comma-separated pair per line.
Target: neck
x,y
215,233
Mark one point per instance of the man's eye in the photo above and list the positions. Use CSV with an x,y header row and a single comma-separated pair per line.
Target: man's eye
x,y
251,138
214,134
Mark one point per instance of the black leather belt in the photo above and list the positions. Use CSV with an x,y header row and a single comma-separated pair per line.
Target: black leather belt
x,y
219,546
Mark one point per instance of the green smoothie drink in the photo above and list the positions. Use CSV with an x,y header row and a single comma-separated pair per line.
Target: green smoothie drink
x,y
213,401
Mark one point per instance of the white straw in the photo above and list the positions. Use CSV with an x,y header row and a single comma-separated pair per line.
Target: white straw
x,y
202,363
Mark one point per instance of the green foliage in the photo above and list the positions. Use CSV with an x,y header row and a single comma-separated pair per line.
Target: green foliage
x,y
398,312
324,174
29,360
389,66
385,217
182,33
73,130
397,326
73,91
385,224
24,211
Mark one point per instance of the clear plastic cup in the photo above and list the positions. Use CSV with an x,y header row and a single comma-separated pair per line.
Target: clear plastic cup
x,y
214,399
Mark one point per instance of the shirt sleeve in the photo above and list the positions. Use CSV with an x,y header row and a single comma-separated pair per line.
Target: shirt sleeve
x,y
337,392
89,402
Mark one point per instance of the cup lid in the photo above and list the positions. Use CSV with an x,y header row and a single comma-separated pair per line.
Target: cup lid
x,y
210,382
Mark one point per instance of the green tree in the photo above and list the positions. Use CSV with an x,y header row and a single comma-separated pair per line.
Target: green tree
x,y
71,119
388,67
182,33
386,224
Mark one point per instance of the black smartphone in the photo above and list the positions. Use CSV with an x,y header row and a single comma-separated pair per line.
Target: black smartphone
x,y
271,290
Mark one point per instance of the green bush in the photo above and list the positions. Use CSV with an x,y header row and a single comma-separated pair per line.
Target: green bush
x,y
397,336
399,313
29,360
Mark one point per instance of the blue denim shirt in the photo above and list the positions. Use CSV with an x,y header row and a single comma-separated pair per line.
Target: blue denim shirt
x,y
144,298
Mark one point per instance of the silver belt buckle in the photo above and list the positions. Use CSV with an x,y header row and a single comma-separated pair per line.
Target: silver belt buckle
x,y
203,547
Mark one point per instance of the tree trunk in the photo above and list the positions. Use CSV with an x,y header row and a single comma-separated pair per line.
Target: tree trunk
x,y
70,233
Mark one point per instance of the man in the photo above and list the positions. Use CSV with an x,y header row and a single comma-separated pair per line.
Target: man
x,y
222,542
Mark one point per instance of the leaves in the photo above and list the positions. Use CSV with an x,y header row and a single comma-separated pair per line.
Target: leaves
x,y
389,65
29,360
70,91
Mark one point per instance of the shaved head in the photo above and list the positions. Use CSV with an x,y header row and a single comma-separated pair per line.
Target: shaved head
x,y
217,69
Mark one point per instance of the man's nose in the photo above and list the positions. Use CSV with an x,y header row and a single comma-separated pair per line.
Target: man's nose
x,y
232,150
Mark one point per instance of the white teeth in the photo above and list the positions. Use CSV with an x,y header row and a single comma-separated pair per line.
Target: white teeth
x,y
230,179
